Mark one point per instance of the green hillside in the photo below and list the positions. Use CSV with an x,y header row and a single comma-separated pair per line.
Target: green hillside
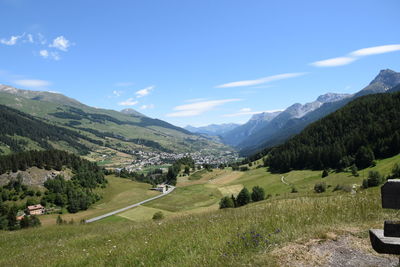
x,y
106,132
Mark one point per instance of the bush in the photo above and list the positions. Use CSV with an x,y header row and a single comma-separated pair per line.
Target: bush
x,y
374,178
294,190
354,170
226,202
244,168
243,198
158,216
320,187
325,173
258,194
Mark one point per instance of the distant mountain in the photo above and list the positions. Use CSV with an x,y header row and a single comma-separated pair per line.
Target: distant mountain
x,y
240,133
260,126
101,131
213,129
277,133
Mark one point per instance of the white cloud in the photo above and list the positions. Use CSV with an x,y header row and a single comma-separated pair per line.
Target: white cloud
x,y
261,80
51,55
355,55
128,102
117,93
12,40
61,43
150,106
123,84
29,38
32,83
44,53
247,111
333,62
375,50
198,108
145,91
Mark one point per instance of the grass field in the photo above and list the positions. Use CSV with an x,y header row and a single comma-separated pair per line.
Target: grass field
x,y
118,194
232,237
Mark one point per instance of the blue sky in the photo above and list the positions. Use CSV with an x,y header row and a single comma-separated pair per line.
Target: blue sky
x,y
197,62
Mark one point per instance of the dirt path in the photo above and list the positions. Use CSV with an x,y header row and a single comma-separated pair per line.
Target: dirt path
x,y
343,251
283,181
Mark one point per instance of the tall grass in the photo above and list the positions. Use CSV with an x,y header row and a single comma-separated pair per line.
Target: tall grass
x,y
225,237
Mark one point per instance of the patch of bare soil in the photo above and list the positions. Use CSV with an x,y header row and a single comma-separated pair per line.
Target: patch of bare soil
x,y
334,251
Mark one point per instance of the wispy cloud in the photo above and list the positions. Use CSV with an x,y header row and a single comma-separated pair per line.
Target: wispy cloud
x,y
198,108
12,40
333,62
144,91
48,51
51,55
261,80
129,102
356,55
150,106
32,83
248,111
117,93
61,43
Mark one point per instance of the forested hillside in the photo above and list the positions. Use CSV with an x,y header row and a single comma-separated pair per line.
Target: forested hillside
x,y
16,124
365,129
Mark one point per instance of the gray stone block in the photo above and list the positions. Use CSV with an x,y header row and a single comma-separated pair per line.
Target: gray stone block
x,y
391,229
390,193
382,244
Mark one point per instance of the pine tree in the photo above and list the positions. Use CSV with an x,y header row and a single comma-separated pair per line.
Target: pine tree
x,y
243,197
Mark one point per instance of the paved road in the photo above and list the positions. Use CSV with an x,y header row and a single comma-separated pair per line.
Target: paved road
x,y
171,188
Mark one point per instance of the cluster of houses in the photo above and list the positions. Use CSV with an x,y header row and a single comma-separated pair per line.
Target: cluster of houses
x,y
32,210
145,159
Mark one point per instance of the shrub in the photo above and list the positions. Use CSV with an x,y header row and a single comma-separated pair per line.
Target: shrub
x,y
320,187
226,202
374,178
258,194
244,168
354,170
243,197
158,216
325,173
294,190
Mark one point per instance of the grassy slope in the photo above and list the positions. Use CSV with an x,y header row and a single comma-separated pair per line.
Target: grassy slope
x,y
225,237
118,194
195,232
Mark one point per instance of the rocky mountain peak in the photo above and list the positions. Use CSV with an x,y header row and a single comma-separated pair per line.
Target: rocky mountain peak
x,y
387,77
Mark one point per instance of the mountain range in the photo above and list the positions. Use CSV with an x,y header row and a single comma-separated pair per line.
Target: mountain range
x,y
295,118
268,129
213,129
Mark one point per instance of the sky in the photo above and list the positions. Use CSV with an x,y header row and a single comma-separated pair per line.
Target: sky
x,y
197,62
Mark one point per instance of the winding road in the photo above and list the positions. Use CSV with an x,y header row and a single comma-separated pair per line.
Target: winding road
x,y
171,188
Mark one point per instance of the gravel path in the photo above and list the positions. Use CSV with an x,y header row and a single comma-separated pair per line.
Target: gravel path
x,y
171,188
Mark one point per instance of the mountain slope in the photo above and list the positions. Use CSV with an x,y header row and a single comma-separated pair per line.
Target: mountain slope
x,y
294,112
270,137
112,130
366,128
213,129
240,133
